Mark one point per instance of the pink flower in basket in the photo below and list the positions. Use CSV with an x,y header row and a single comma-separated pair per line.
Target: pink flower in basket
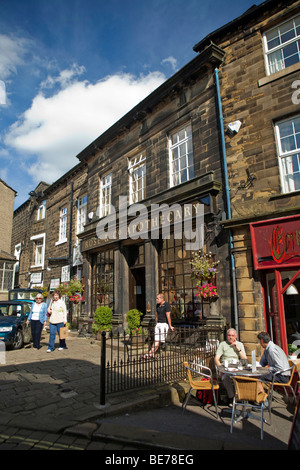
x,y
76,298
208,291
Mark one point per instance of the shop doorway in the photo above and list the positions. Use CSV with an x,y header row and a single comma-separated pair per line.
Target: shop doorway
x,y
137,297
283,308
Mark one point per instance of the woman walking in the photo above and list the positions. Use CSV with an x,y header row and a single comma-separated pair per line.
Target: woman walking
x,y
37,318
58,318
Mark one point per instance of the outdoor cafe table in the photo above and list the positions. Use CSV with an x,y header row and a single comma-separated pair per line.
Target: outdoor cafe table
x,y
245,372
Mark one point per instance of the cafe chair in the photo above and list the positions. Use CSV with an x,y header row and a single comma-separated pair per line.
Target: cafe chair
x,y
200,378
284,385
248,395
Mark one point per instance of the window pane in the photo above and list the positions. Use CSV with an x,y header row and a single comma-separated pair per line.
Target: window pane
x,y
276,62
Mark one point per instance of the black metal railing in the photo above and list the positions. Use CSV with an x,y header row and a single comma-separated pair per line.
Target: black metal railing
x,y
124,367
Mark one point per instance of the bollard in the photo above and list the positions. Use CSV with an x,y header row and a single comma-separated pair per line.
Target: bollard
x,y
102,370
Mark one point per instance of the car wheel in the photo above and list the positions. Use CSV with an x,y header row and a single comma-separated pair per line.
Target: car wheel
x,y
18,340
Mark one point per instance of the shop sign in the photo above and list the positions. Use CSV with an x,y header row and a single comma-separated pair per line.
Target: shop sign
x,y
276,243
65,273
36,278
141,222
54,284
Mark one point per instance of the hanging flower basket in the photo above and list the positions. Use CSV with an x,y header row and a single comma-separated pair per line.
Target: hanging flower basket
x,y
203,267
75,298
208,292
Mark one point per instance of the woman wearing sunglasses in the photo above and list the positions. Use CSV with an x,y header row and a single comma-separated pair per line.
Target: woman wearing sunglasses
x,y
37,318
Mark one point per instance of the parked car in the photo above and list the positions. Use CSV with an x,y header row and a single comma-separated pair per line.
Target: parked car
x,y
23,294
13,329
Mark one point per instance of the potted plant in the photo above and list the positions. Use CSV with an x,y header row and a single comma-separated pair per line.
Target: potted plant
x,y
133,318
102,320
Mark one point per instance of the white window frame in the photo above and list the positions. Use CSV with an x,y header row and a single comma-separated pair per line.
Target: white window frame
x,y
279,48
7,276
63,223
39,250
289,158
181,168
41,212
81,213
105,194
137,178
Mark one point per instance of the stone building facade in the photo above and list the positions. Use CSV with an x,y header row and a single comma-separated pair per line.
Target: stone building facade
x,y
7,259
259,82
138,159
45,234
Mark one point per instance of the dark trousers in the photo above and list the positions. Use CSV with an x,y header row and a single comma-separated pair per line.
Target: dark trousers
x,y
36,331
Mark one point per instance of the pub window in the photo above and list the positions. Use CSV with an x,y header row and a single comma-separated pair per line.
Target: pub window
x,y
137,178
104,279
81,213
6,275
288,145
175,280
105,195
181,155
62,235
41,211
282,47
38,250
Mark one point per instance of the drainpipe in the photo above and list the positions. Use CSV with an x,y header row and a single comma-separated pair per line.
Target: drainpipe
x,y
227,193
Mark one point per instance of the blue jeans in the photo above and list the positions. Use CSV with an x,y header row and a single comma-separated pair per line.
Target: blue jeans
x,y
54,328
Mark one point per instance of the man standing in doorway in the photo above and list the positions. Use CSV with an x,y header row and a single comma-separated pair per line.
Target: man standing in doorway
x,y
163,323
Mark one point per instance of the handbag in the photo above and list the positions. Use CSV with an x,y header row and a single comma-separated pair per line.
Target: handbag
x,y
63,332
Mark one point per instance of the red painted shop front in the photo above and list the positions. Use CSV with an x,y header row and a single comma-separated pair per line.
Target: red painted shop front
x,y
276,253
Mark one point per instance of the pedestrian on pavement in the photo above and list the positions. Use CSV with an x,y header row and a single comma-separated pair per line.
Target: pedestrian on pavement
x,y
229,350
163,323
37,318
58,318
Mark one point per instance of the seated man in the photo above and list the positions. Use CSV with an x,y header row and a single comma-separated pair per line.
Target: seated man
x,y
275,358
229,350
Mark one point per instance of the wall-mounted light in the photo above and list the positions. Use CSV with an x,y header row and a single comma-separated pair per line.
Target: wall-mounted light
x,y
233,128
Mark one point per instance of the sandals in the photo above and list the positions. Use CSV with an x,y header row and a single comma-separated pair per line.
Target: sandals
x,y
147,356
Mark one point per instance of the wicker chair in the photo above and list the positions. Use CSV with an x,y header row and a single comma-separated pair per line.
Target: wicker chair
x,y
284,385
248,395
196,383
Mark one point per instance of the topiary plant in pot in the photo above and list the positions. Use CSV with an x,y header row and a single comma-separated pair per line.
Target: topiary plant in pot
x,y
102,320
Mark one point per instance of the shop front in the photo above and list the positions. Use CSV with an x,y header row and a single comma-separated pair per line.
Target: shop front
x,y
127,273
276,254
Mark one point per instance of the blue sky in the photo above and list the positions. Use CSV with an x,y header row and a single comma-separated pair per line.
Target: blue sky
x,y
71,68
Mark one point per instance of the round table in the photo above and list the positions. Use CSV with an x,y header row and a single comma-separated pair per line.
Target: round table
x,y
245,372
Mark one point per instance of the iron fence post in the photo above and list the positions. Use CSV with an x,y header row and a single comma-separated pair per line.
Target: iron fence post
x,y
102,368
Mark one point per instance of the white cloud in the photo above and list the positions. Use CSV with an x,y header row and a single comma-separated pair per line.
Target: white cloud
x,y
65,78
172,61
12,53
55,129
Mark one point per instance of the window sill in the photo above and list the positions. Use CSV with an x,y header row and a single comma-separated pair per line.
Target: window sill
x,y
284,195
60,242
278,75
